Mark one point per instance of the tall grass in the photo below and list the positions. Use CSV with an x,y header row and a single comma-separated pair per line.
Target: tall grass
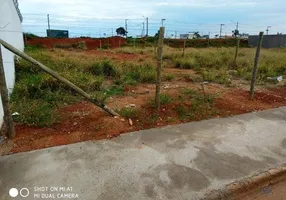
x,y
214,63
36,94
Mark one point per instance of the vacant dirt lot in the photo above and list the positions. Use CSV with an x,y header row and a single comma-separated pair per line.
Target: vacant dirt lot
x,y
51,115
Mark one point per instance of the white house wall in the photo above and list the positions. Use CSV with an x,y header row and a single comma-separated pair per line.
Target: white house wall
x,y
11,32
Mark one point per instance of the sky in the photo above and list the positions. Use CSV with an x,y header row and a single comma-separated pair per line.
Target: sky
x,y
100,18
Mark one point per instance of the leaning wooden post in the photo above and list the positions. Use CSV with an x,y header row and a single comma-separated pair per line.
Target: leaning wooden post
x,y
100,45
58,77
159,67
255,68
10,131
236,50
184,48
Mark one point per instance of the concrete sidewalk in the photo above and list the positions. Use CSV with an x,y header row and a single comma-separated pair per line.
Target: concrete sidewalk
x,y
176,162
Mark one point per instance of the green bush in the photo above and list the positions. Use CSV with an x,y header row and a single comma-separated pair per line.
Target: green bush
x,y
96,69
164,99
128,112
114,90
143,73
168,77
104,67
193,78
108,68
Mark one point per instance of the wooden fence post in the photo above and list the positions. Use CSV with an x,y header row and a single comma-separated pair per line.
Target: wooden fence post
x,y
119,42
100,46
25,39
155,48
10,131
255,68
184,48
159,67
58,77
134,43
236,50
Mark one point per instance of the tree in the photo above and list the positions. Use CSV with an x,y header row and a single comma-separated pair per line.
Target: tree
x,y
197,35
235,33
156,36
121,31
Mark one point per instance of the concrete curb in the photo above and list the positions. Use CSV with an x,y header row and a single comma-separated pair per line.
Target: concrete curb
x,y
245,186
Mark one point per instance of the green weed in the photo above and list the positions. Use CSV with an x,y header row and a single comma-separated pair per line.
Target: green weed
x,y
128,112
34,112
164,99
168,77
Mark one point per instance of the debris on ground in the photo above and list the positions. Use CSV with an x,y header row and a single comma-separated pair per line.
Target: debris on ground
x,y
131,106
130,122
275,78
15,114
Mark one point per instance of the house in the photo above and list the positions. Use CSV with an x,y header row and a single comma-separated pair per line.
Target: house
x,y
10,31
244,35
205,37
188,36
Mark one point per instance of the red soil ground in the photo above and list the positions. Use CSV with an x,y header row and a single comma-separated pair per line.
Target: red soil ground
x,y
90,43
84,121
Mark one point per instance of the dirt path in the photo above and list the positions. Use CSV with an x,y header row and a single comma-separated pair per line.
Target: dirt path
x,y
271,192
84,121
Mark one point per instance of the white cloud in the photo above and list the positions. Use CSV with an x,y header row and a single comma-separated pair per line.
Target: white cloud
x,y
207,3
89,8
83,13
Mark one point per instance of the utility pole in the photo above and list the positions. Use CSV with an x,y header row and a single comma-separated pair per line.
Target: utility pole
x,y
267,30
126,27
143,30
237,26
175,34
163,22
48,16
147,26
221,25
112,32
